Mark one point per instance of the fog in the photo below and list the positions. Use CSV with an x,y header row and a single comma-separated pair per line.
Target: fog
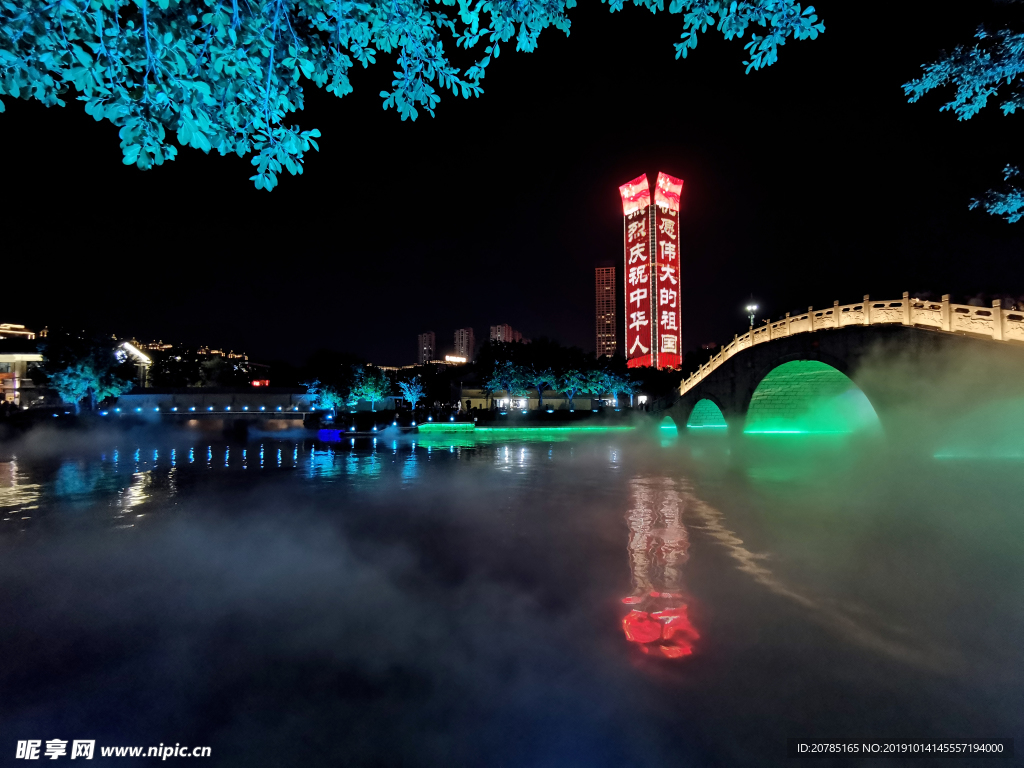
x,y
468,601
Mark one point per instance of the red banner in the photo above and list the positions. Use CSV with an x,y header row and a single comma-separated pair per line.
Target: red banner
x,y
636,195
668,336
636,200
667,191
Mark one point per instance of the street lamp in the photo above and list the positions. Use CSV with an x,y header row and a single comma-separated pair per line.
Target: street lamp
x,y
751,309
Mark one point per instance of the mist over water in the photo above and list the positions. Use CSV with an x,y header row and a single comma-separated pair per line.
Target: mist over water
x,y
607,599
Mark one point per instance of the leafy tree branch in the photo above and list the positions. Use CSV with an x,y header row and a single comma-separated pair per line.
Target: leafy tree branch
x,y
217,76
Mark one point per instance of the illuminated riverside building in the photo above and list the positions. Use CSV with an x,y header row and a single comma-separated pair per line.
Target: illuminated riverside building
x,y
465,343
17,357
652,274
427,344
476,398
14,331
604,310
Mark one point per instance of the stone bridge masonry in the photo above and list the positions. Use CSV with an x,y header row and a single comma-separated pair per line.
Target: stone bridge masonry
x,y
843,337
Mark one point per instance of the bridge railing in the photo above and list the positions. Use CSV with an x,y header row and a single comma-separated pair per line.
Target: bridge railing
x,y
994,323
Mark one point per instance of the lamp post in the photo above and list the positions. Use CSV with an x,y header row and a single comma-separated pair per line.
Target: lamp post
x,y
751,309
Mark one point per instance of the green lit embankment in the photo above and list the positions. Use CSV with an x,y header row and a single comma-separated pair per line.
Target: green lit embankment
x,y
463,427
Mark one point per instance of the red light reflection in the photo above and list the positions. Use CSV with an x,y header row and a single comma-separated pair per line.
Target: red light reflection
x,y
659,620
668,633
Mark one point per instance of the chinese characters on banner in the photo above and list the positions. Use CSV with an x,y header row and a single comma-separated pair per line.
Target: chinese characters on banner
x,y
651,233
639,282
666,257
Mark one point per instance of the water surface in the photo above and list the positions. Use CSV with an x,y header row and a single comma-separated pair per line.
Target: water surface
x,y
583,599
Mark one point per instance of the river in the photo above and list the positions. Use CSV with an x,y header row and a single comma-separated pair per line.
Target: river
x,y
523,599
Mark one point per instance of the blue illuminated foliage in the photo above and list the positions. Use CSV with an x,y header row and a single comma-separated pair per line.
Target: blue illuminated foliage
x,y
322,396
992,66
508,377
219,75
370,384
412,390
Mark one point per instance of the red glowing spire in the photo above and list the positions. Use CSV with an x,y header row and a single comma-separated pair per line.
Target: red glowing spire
x,y
636,195
667,191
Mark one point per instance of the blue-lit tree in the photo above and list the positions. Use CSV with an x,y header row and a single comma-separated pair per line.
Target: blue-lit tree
x,y
620,385
597,383
509,378
85,380
223,75
992,67
370,384
83,366
571,382
323,396
412,390
540,379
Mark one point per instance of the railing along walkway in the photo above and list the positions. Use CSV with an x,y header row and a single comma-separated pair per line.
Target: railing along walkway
x,y
995,323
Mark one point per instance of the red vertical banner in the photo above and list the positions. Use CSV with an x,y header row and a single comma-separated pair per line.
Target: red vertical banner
x,y
665,260
636,205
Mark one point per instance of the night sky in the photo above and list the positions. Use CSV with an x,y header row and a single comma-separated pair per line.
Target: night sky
x,y
810,181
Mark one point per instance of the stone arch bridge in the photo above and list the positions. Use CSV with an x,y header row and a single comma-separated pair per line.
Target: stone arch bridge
x,y
841,338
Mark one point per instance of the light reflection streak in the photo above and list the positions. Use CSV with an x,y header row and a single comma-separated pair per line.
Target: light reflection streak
x,y
922,653
16,495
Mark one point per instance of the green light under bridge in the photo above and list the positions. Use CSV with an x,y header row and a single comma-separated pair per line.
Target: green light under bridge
x,y
706,415
808,397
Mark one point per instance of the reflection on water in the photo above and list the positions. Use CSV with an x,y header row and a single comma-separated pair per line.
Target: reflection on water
x,y
376,583
17,494
658,621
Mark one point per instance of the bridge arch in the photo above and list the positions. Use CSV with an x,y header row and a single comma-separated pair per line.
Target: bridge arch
x,y
804,396
706,414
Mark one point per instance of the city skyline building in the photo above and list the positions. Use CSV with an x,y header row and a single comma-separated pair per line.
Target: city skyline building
x,y
652,274
465,343
604,311
505,332
427,347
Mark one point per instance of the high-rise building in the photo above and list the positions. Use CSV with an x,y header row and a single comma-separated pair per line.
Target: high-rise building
x,y
504,332
465,343
604,312
427,347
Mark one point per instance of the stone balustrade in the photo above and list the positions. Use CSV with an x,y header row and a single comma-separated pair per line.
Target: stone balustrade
x,y
993,323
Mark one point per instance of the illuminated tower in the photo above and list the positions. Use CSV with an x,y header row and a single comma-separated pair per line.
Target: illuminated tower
x,y
604,310
651,253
